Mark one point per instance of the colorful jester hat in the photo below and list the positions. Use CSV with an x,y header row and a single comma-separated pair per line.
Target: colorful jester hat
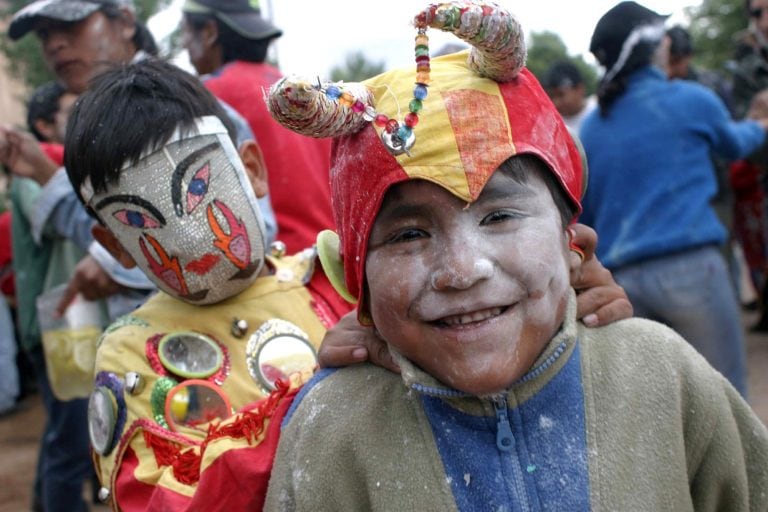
x,y
467,114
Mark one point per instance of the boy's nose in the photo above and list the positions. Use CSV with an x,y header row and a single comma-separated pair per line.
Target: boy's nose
x,y
460,270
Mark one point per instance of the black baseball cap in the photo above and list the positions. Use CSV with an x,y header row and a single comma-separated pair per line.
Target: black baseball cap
x,y
242,16
63,10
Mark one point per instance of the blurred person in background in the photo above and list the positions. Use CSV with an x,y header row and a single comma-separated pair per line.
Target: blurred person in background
x,y
565,85
651,179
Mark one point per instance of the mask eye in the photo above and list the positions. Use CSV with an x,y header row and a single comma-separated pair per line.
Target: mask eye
x,y
198,187
136,219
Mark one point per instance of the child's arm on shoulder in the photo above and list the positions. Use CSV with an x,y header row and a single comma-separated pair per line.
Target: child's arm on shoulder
x,y
348,342
600,300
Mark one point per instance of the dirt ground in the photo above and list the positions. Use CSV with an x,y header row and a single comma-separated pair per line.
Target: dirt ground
x,y
20,432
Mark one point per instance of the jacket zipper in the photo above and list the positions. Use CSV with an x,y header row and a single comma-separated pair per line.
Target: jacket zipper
x,y
505,442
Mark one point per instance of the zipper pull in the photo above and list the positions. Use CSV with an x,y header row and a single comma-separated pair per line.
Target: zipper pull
x,y
505,441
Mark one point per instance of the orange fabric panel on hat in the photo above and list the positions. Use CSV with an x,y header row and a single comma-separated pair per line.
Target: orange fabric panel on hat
x,y
483,124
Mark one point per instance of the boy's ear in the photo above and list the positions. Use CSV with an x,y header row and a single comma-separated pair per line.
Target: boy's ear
x,y
113,245
253,160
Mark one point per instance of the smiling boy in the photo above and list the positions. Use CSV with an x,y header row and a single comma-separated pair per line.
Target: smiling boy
x,y
453,236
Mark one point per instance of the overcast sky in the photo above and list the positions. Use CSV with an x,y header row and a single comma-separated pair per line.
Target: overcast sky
x,y
318,35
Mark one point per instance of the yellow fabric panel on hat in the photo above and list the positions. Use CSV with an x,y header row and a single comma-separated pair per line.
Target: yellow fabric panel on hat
x,y
463,130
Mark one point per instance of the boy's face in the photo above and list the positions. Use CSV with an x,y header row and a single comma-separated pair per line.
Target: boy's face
x,y
568,100
471,294
188,217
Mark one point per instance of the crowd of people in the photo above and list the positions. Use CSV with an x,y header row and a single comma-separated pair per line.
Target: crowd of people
x,y
310,299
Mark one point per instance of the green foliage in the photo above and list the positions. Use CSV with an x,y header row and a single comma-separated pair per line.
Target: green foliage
x,y
546,48
714,23
356,68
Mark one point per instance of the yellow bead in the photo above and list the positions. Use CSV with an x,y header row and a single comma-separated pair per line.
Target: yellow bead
x,y
346,99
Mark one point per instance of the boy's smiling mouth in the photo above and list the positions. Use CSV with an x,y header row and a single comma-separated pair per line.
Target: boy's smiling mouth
x,y
471,318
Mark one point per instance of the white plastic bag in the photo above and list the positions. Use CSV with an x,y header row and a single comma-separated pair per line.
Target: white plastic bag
x,y
69,343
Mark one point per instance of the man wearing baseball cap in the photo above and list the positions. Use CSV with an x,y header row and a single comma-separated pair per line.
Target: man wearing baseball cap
x,y
99,33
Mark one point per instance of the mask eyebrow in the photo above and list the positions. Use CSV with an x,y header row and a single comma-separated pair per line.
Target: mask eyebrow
x,y
181,170
135,200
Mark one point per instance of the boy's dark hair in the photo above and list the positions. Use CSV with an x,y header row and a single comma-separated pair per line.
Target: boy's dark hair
x,y
681,43
43,105
562,74
128,110
233,45
520,167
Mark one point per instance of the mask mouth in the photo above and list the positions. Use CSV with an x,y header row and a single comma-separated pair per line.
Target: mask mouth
x,y
203,265
248,271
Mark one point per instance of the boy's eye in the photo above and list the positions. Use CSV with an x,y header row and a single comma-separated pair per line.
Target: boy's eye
x,y
136,219
499,216
198,187
405,235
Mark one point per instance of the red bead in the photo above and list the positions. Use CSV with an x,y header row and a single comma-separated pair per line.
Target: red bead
x,y
411,120
358,106
381,120
392,126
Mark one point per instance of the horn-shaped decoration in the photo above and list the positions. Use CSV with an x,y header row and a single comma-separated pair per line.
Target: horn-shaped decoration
x,y
321,109
332,110
497,39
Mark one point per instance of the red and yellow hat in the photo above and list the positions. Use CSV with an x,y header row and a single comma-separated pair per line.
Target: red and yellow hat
x,y
465,115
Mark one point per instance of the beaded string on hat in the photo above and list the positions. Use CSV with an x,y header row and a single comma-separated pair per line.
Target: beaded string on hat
x,y
333,110
397,137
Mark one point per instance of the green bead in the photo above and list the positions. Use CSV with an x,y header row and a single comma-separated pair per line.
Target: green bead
x,y
415,106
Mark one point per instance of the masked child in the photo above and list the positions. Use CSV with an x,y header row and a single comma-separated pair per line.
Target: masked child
x,y
173,414
453,221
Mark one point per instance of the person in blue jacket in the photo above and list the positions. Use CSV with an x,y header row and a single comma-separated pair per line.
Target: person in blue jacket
x,y
651,183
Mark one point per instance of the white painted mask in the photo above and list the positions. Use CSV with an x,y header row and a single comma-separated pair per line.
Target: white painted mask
x,y
188,216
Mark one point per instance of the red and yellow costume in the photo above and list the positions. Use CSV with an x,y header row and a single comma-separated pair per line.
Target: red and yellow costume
x,y
149,464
